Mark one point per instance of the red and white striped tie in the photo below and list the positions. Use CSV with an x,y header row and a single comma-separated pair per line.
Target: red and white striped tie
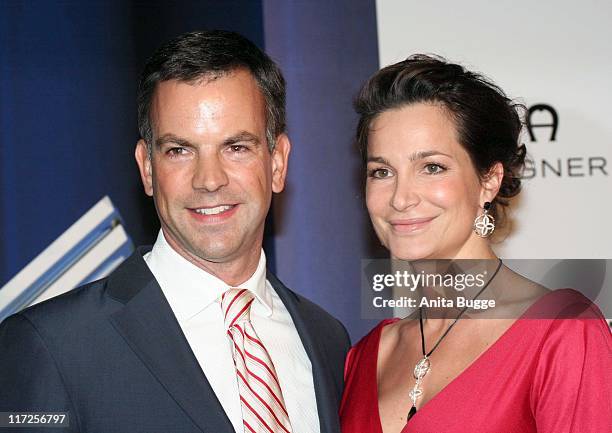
x,y
263,407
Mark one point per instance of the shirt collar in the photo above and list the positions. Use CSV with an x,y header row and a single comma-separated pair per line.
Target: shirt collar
x,y
190,289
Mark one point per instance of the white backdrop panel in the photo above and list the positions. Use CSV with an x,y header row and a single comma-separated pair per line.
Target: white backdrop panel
x,y
540,52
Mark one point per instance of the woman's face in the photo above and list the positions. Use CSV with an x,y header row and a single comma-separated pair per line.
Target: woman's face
x,y
422,190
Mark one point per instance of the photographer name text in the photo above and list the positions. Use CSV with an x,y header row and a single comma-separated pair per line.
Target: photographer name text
x,y
439,302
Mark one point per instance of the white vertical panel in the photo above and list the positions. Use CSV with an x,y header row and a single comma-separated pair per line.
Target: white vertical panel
x,y
552,52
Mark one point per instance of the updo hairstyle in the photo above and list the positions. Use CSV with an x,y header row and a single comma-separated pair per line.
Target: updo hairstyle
x,y
488,123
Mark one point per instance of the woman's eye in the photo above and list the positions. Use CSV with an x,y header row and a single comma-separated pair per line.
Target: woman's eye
x,y
379,173
434,168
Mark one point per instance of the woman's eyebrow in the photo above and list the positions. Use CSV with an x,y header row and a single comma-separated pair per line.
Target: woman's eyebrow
x,y
379,159
426,153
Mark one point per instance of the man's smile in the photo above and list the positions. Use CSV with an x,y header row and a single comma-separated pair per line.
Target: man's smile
x,y
214,210
214,214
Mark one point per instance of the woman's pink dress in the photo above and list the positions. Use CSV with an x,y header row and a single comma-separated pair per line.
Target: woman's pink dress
x,y
544,375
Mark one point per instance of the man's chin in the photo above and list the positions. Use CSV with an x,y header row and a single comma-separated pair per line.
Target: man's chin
x,y
216,254
202,250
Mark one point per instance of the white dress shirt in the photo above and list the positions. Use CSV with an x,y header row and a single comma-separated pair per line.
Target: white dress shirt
x,y
194,296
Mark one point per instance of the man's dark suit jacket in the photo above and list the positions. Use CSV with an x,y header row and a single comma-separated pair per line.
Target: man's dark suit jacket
x,y
112,354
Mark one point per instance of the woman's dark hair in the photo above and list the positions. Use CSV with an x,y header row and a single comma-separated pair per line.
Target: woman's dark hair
x,y
208,55
488,123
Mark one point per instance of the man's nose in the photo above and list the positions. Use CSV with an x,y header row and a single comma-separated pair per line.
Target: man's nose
x,y
210,173
405,194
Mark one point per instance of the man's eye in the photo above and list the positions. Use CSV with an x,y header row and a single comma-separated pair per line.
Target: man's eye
x,y
237,148
379,173
434,168
177,151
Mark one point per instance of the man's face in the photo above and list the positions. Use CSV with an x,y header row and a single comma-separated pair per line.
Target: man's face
x,y
211,173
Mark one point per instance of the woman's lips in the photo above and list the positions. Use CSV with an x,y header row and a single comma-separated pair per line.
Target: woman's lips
x,y
410,225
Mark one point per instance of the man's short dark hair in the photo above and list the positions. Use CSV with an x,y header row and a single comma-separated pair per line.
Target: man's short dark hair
x,y
208,55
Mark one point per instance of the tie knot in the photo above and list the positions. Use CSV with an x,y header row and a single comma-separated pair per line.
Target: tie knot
x,y
236,305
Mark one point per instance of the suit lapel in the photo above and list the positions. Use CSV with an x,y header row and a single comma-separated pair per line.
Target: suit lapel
x,y
149,327
325,390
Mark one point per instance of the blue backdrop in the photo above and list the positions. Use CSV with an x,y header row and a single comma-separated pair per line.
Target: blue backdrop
x,y
68,74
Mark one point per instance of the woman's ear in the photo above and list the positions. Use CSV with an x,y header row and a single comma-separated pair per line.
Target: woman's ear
x,y
491,183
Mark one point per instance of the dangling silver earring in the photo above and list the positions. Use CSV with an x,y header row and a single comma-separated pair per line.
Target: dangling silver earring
x,y
484,224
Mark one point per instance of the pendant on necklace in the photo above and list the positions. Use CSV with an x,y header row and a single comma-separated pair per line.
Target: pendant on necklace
x,y
420,370
411,413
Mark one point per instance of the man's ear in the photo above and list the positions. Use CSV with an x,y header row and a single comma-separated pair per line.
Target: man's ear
x,y
280,158
144,165
491,183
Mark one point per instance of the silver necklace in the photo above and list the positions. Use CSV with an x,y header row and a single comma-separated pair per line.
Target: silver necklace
x,y
424,365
